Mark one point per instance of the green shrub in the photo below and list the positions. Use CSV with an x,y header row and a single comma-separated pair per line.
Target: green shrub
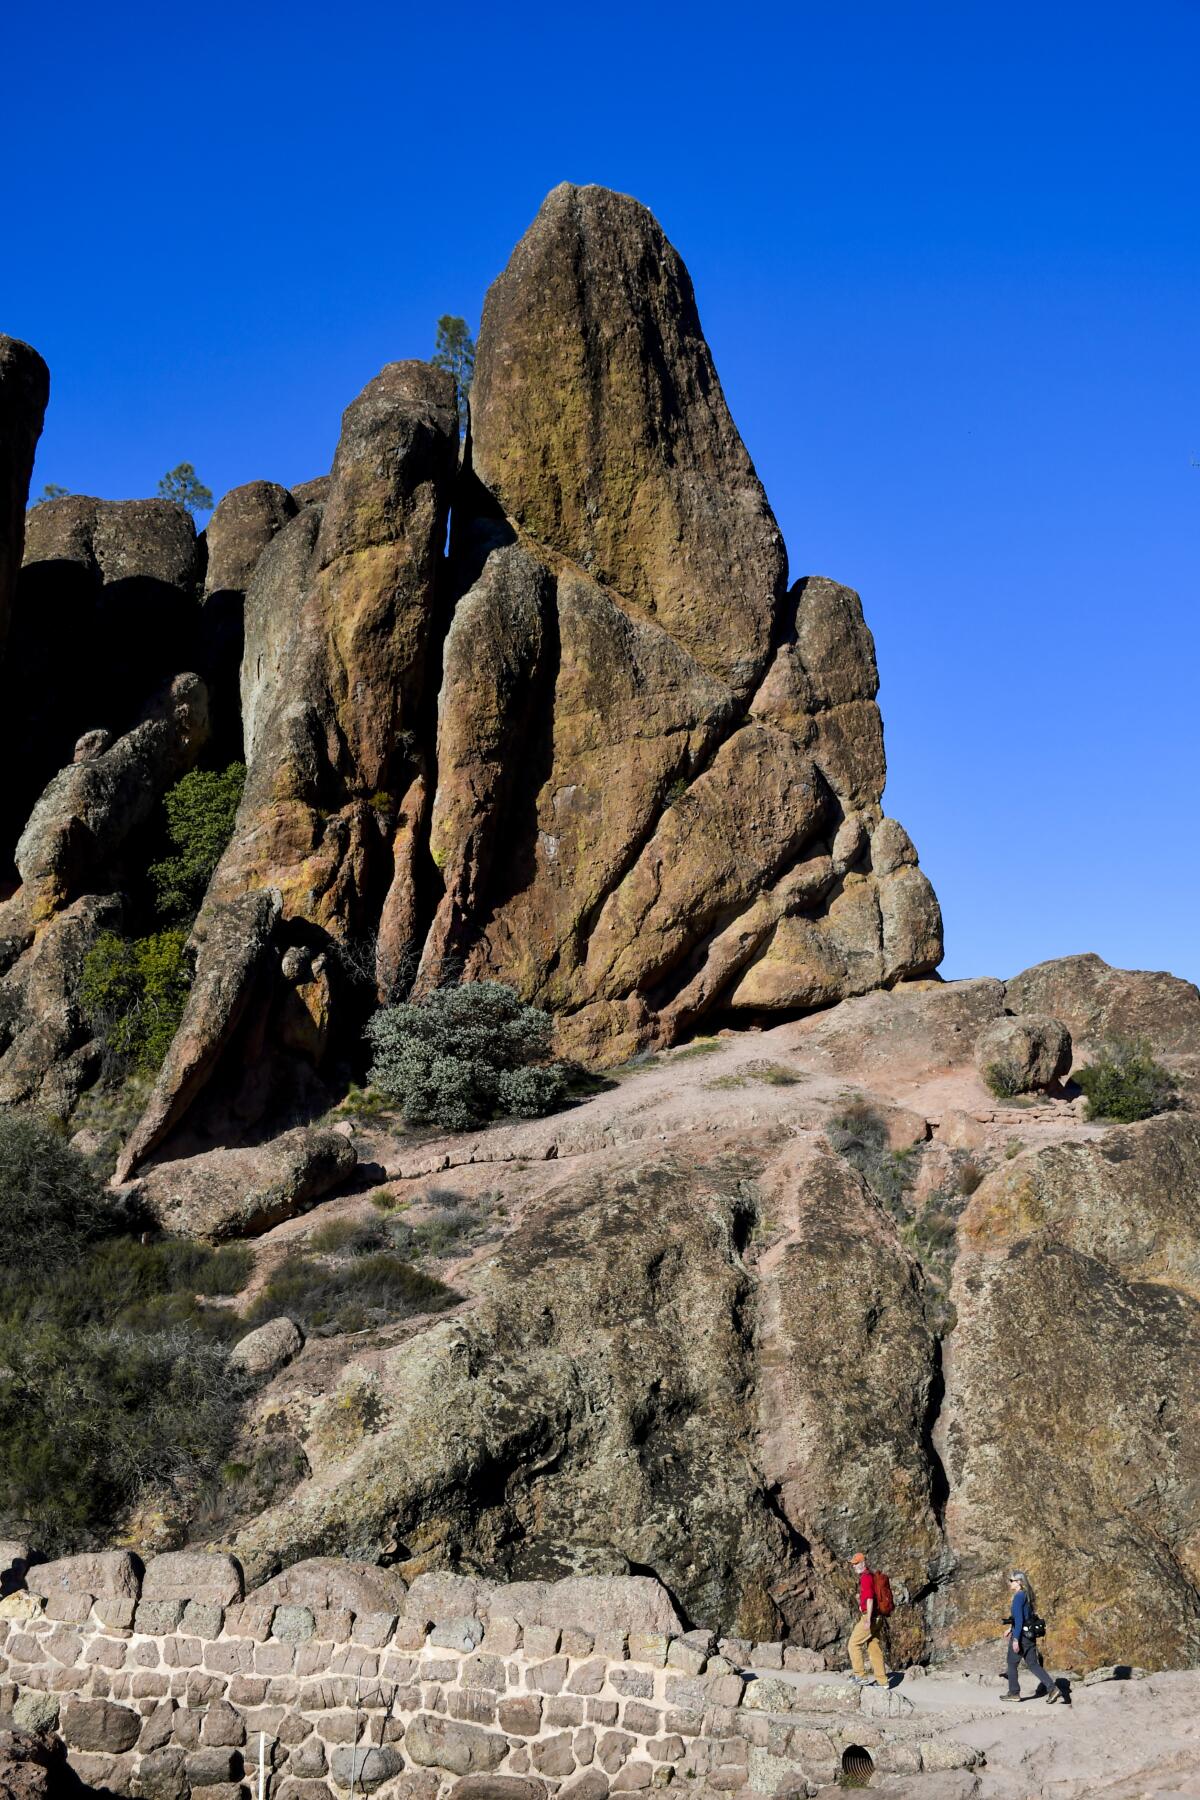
x,y
367,1290
134,991
200,811
52,1205
1125,1083
93,1419
114,1375
464,1055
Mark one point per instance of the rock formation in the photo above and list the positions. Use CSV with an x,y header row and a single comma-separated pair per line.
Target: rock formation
x,y
604,753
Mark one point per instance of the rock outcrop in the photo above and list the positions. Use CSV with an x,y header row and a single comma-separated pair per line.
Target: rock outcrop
x,y
24,391
231,1193
600,751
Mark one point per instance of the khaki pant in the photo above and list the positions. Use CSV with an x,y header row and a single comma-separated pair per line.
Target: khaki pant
x,y
868,1635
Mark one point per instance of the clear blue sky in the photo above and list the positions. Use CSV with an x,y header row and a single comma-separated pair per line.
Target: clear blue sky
x,y
947,256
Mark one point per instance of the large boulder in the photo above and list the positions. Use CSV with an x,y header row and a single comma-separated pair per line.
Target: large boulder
x,y
230,1193
1095,1001
694,735
24,391
48,1052
1019,1054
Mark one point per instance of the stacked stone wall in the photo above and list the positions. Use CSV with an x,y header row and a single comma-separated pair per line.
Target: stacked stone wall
x,y
169,1683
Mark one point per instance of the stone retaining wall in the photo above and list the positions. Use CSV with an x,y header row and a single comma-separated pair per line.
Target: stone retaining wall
x,y
160,1682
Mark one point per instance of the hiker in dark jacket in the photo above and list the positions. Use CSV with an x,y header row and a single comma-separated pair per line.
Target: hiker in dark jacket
x,y
1021,1641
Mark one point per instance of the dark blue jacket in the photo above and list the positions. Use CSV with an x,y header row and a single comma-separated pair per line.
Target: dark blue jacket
x,y
1020,1612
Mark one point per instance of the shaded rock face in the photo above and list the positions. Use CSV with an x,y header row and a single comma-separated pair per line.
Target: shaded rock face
x,y
24,391
239,531
105,613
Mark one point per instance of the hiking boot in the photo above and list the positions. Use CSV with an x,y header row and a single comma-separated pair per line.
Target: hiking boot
x,y
1052,1694
858,1680
1010,1696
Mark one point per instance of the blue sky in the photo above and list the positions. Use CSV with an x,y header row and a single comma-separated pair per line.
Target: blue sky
x,y
947,257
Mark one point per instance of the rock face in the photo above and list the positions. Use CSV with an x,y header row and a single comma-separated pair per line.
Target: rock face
x,y
105,613
24,391
1079,1278
696,735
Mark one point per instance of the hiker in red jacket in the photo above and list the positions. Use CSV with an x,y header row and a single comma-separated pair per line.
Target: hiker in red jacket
x,y
867,1630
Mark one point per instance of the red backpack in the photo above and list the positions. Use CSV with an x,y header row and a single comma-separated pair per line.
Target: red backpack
x,y
884,1602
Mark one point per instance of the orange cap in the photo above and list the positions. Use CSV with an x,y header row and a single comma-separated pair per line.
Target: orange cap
x,y
858,1557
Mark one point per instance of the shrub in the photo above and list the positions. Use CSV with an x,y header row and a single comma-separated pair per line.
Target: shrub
x,y
94,1419
52,1205
970,1177
464,1055
1125,1083
860,1135
134,991
114,1376
367,1290
1003,1079
200,811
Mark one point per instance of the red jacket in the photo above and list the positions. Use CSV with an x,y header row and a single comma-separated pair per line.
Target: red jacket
x,y
866,1589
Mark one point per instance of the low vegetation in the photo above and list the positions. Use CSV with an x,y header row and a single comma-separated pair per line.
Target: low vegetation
x,y
134,988
200,810
134,991
1125,1083
465,1055
115,1381
352,1275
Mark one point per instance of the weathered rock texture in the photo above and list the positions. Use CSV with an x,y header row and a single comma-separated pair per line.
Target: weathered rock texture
x,y
24,391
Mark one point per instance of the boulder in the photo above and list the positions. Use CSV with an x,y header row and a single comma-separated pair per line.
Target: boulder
x,y
268,1348
1095,1001
230,941
244,523
235,1193
104,1574
337,684
692,730
334,1584
311,493
24,391
599,425
48,1053
1018,1055
203,1575
364,1766
617,1402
